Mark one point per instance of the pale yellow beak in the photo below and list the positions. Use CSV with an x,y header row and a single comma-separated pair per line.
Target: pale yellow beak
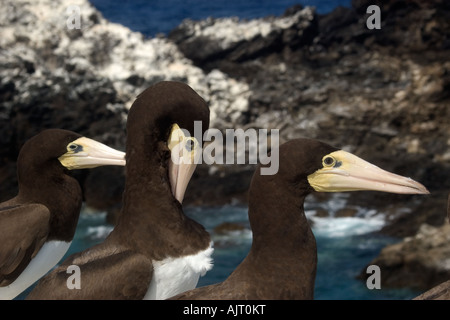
x,y
85,153
185,152
343,171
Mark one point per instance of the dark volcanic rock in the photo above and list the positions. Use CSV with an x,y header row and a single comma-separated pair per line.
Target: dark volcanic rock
x,y
419,262
228,227
228,184
440,292
237,40
430,211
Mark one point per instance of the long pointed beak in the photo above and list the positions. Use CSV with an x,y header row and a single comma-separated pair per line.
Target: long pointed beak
x,y
354,173
183,161
91,154
180,175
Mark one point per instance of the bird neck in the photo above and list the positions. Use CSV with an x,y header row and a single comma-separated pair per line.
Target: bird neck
x,y
147,183
59,192
282,238
148,204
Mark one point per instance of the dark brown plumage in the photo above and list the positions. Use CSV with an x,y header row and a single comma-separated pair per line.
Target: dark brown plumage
x,y
47,206
282,260
49,199
152,225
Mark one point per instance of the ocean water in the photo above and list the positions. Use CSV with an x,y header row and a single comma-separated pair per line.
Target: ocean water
x,y
152,17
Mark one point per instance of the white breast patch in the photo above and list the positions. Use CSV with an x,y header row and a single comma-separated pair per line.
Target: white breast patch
x,y
172,276
49,255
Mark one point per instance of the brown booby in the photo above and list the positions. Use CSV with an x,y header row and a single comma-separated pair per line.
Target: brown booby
x,y
38,225
282,260
155,251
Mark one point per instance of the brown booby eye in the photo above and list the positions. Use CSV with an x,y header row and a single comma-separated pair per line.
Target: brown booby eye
x,y
190,145
328,161
73,147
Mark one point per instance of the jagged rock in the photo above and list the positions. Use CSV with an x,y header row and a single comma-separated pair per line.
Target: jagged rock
x,y
228,184
440,292
418,262
429,211
227,227
241,40
321,213
346,212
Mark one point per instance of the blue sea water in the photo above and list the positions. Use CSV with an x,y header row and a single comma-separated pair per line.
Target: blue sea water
x,y
161,16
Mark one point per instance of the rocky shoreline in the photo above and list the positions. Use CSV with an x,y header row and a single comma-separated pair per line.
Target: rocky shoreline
x,y
383,94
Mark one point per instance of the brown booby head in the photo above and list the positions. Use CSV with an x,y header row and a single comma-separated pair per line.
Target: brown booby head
x,y
154,251
162,121
37,226
282,261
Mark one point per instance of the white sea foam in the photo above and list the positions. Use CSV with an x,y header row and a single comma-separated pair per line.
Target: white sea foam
x,y
362,221
98,232
331,227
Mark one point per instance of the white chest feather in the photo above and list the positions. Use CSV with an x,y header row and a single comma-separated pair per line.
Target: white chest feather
x,y
49,255
172,276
